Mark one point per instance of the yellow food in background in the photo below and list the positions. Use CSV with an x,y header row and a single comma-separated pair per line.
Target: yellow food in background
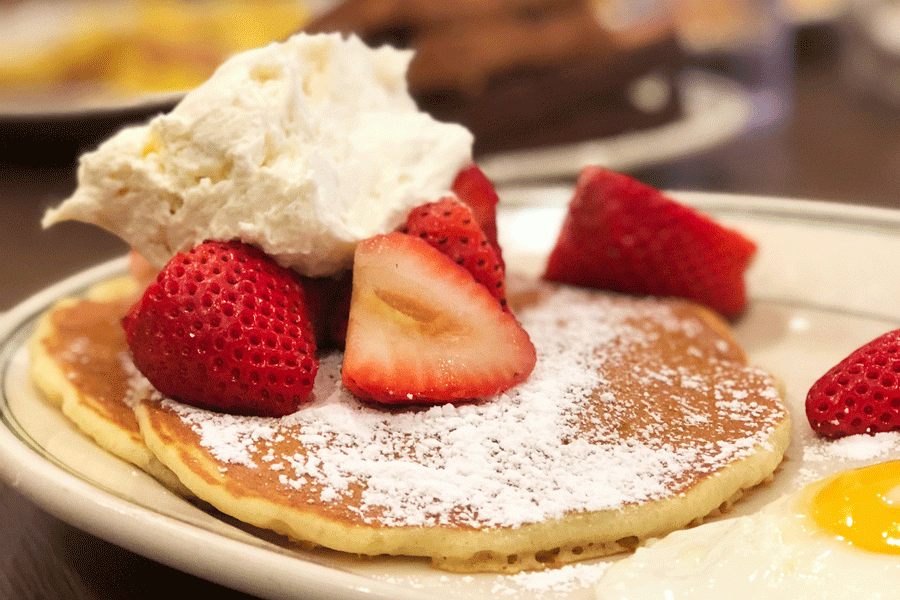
x,y
128,48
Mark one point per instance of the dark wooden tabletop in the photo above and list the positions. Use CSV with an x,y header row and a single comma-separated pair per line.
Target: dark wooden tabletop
x,y
834,145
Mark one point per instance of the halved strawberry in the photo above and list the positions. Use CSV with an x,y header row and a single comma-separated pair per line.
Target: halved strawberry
x,y
474,188
623,235
224,327
450,226
423,331
861,394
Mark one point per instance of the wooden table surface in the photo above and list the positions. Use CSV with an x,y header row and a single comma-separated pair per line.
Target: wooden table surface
x,y
834,146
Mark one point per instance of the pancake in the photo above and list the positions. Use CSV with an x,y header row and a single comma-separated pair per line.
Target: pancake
x,y
640,417
76,362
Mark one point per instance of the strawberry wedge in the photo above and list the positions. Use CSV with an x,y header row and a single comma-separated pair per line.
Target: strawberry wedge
x,y
860,394
474,188
625,236
422,330
450,226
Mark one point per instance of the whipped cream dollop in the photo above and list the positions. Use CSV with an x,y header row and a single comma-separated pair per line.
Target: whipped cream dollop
x,y
302,148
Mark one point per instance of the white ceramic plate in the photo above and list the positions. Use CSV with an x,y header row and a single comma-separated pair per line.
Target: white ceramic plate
x,y
824,283
716,111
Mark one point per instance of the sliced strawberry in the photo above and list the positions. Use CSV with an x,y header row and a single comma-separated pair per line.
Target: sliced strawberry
x,y
224,327
861,394
449,226
423,331
474,188
622,235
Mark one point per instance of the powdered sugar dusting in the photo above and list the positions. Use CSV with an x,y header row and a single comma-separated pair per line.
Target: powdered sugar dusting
x,y
138,387
854,447
823,457
552,582
550,446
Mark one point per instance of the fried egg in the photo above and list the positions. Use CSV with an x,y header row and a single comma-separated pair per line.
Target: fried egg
x,y
837,538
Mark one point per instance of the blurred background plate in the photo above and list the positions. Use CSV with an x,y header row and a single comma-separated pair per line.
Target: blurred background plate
x,y
813,12
82,106
85,58
73,72
716,110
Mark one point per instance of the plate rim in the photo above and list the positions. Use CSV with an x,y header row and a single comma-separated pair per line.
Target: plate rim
x,y
14,110
515,197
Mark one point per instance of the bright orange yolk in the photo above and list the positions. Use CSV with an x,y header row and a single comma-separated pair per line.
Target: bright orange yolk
x,y
862,507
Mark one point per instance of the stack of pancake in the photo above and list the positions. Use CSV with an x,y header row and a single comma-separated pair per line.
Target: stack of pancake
x,y
641,416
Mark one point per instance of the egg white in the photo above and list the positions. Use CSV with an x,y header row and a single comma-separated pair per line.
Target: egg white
x,y
779,553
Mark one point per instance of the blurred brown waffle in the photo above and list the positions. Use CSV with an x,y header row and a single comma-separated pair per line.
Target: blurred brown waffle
x,y
529,73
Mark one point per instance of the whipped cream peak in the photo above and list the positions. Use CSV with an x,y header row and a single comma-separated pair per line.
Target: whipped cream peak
x,y
302,148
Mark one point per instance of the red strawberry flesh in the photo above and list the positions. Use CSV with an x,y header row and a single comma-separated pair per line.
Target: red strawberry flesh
x,y
225,328
861,394
450,226
474,188
328,306
625,236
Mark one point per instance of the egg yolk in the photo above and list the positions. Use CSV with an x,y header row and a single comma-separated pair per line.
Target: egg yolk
x,y
862,507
